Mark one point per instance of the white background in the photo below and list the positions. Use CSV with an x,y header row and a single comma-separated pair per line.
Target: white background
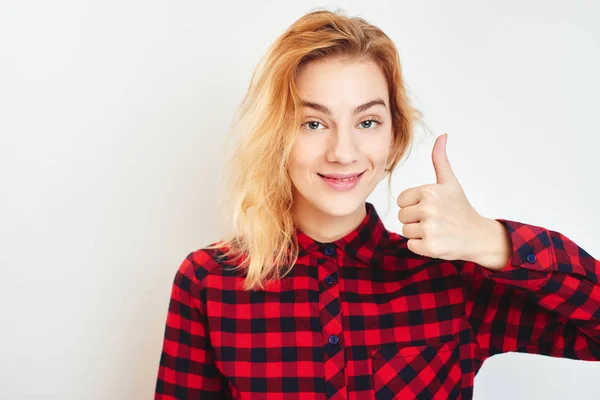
x,y
113,116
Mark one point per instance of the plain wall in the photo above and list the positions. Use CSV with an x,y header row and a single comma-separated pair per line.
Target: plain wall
x,y
113,116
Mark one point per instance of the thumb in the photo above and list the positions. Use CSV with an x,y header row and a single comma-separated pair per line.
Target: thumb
x,y
441,164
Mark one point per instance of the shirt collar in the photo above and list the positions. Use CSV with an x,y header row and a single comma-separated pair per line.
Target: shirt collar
x,y
365,243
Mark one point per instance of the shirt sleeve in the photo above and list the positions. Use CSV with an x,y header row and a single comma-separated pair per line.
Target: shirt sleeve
x,y
187,369
546,300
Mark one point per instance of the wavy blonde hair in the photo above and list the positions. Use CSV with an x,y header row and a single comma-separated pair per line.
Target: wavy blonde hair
x,y
258,196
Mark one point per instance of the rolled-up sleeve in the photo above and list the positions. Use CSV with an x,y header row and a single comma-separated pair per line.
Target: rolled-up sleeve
x,y
546,300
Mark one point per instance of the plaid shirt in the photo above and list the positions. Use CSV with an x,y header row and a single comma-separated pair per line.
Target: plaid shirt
x,y
365,318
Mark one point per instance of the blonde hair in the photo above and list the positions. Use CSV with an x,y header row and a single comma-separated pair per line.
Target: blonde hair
x,y
258,195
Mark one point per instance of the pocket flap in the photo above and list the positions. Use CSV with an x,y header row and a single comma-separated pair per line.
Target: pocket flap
x,y
389,350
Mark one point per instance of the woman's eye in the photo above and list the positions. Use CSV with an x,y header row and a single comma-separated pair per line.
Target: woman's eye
x,y
313,124
369,122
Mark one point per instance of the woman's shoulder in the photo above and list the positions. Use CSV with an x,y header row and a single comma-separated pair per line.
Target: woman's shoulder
x,y
203,261
395,244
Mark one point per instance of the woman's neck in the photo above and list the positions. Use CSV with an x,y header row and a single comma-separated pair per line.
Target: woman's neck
x,y
324,227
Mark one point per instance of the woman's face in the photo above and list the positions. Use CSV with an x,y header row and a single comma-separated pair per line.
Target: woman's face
x,y
341,141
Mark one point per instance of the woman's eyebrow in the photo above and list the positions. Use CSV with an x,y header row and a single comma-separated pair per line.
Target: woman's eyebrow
x,y
357,110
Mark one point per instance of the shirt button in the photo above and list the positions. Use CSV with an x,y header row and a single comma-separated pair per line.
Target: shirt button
x,y
330,250
531,258
329,280
333,339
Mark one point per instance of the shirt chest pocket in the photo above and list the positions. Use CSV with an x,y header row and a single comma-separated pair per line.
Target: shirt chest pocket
x,y
428,371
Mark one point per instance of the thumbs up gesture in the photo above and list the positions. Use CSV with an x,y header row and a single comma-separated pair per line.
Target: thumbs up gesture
x,y
438,219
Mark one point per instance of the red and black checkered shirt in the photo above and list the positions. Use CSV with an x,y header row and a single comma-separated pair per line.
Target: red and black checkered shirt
x,y
363,317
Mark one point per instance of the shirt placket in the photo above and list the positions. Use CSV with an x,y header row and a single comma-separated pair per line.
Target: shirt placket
x,y
331,322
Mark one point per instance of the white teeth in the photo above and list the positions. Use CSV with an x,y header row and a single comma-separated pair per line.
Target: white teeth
x,y
344,180
341,179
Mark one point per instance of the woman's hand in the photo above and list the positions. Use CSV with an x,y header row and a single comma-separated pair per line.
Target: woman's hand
x,y
438,219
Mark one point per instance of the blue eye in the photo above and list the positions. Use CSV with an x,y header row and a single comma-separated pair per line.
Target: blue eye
x,y
370,121
312,121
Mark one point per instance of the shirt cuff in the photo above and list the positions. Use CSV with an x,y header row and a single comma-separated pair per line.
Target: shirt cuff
x,y
531,262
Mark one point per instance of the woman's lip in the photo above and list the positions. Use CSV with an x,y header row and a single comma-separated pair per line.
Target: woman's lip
x,y
341,176
340,185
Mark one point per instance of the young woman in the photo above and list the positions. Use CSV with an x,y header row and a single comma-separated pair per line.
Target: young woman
x,y
311,297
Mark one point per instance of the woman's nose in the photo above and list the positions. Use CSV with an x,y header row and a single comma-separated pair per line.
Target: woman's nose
x,y
344,148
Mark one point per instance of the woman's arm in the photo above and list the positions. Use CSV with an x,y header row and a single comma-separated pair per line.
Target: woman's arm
x,y
545,300
187,369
